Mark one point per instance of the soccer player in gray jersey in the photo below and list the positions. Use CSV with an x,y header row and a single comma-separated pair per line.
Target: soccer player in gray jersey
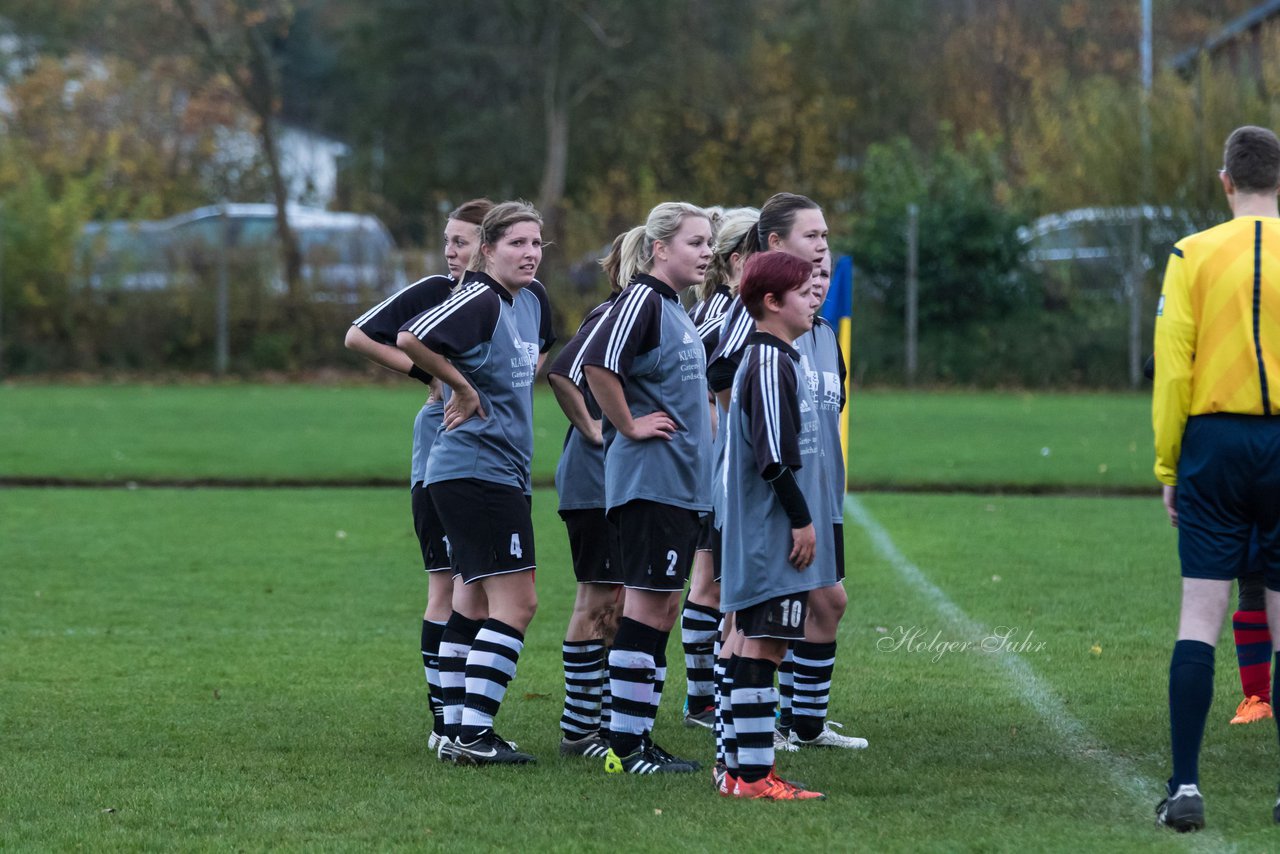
x,y
646,368
795,225
813,658
373,335
593,539
484,343
775,516
700,618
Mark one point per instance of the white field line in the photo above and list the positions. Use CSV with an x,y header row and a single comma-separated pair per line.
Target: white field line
x,y
1076,740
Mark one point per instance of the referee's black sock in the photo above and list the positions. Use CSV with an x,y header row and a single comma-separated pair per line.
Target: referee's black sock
x,y
1190,694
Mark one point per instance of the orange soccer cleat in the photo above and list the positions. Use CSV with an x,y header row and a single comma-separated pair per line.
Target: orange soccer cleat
x,y
774,788
1252,710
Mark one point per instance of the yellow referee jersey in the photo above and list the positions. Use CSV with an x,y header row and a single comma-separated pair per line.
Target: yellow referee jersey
x,y
1217,337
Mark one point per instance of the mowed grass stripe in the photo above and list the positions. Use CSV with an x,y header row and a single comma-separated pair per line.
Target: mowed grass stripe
x,y
360,434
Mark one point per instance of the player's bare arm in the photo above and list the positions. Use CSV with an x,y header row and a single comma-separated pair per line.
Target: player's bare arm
x,y
574,407
608,391
465,402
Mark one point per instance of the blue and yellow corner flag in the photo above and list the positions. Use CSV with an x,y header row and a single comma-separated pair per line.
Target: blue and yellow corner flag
x,y
838,311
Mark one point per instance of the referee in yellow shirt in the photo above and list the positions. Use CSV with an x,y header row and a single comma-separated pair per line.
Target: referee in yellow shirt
x,y
1216,389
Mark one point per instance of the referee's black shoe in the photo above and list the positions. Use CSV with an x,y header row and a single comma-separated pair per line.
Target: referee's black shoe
x,y
1183,810
489,749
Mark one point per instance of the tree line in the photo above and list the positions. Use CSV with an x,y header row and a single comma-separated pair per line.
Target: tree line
x,y
984,114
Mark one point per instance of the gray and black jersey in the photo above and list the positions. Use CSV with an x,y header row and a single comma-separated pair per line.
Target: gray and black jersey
x,y
823,366
772,425
494,340
725,345
652,346
382,323
580,472
708,314
723,361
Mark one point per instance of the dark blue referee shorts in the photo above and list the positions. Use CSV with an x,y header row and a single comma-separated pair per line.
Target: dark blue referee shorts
x,y
1228,490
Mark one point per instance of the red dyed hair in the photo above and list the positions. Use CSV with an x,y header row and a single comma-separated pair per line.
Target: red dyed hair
x,y
771,273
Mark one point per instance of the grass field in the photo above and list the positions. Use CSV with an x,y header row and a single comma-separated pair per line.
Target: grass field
x,y
214,669
361,432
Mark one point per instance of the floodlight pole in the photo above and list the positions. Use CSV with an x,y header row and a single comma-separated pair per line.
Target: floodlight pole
x,y
1137,273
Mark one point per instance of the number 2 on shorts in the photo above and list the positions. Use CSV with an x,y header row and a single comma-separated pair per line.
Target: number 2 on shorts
x,y
672,557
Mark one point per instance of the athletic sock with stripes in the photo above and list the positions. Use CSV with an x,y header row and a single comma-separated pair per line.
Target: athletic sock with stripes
x,y
584,672
754,698
631,675
698,631
491,665
1190,694
811,691
786,672
659,681
728,735
1253,653
431,634
718,671
455,644
606,698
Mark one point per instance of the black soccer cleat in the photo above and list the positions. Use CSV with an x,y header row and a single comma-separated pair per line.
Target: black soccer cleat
x,y
658,751
489,749
705,718
592,745
645,761
1182,811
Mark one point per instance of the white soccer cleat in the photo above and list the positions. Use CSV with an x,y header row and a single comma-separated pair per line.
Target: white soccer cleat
x,y
827,738
781,744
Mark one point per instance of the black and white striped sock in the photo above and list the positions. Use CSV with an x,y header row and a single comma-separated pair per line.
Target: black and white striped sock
x,y
491,666
698,633
728,734
814,664
659,680
718,729
631,675
786,671
455,644
584,676
432,632
754,698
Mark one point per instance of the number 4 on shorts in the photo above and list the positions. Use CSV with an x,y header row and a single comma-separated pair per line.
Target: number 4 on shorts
x,y
516,550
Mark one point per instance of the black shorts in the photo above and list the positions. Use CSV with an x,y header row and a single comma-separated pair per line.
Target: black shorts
x,y
781,617
489,526
658,542
593,542
706,533
431,536
839,541
1229,497
717,554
